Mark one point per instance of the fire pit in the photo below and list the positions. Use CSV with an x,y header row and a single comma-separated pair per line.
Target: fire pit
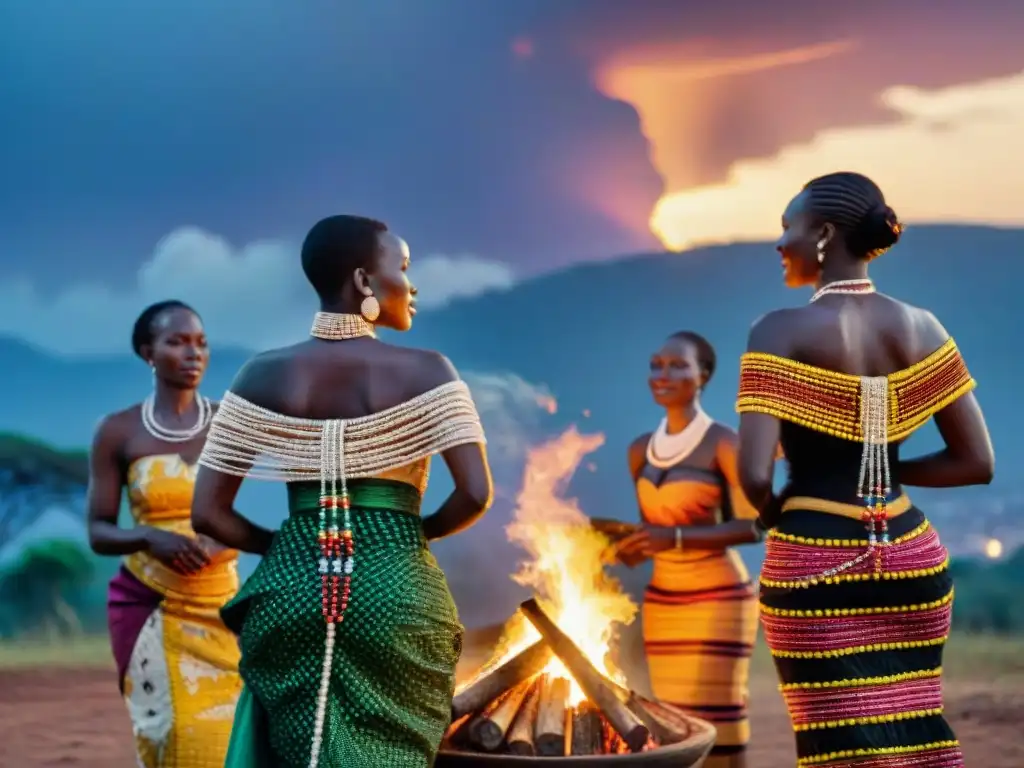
x,y
520,713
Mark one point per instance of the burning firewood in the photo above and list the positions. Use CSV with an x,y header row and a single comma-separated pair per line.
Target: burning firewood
x,y
488,731
492,684
587,730
549,734
520,735
600,692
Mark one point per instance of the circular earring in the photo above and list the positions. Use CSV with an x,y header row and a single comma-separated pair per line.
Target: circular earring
x,y
370,309
821,251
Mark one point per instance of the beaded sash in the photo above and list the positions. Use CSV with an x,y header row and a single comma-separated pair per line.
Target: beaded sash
x,y
873,410
249,441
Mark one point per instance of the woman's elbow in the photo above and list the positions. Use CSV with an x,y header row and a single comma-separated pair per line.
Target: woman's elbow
x,y
757,488
984,470
202,520
479,493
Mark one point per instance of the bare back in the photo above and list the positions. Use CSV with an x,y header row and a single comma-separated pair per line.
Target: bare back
x,y
349,379
869,335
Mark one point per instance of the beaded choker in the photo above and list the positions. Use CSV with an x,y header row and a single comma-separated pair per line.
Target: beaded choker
x,y
338,327
858,285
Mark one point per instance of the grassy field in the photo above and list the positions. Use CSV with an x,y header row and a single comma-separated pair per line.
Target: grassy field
x,y
967,655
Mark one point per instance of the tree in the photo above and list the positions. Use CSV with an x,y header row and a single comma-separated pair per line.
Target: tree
x,y
44,583
35,477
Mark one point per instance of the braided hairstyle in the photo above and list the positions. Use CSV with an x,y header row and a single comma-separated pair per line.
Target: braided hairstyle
x,y
335,247
855,205
142,331
705,353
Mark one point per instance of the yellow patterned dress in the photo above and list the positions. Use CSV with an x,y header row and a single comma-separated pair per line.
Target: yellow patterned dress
x,y
177,660
699,612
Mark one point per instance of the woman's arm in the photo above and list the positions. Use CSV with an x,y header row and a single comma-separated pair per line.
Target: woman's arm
x,y
103,498
213,502
472,495
214,515
759,433
467,464
968,458
746,523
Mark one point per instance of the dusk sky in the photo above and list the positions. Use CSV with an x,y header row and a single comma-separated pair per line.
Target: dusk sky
x,y
184,148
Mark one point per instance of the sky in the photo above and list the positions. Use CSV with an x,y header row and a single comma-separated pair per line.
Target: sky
x,y
183,149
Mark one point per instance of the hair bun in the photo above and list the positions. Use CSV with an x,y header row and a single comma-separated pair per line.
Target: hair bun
x,y
880,230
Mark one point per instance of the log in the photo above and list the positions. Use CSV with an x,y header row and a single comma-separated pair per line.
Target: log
x,y
488,730
520,735
457,735
549,735
596,688
663,730
587,730
491,685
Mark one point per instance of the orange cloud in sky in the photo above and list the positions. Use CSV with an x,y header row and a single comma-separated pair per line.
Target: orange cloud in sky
x,y
954,155
679,95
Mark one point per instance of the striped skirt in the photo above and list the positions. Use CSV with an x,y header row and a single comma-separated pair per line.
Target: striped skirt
x,y
859,654
700,625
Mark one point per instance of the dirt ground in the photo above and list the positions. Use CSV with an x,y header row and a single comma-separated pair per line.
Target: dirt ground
x,y
72,717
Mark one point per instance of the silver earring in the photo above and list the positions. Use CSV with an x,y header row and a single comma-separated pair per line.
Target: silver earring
x,y
821,251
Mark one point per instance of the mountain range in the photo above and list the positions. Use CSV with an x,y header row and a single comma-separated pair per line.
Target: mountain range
x,y
585,334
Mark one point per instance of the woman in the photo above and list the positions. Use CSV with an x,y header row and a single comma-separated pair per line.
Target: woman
x,y
349,634
699,614
177,663
855,592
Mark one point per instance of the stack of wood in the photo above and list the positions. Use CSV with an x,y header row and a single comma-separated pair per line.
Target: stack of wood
x,y
518,709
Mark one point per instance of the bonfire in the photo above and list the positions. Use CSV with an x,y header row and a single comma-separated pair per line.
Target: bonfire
x,y
551,689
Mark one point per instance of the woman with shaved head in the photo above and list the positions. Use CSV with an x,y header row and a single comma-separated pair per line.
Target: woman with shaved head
x,y
349,634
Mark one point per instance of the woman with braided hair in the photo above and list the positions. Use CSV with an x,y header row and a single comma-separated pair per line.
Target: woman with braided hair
x,y
855,591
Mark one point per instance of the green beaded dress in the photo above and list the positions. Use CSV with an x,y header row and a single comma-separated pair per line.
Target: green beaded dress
x,y
392,666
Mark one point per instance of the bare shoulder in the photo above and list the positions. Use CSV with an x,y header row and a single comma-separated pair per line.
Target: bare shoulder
x,y
637,454
930,332
639,444
259,378
427,369
114,429
722,434
773,333
924,333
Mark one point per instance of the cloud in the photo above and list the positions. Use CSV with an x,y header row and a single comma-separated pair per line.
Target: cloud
x,y
251,297
944,159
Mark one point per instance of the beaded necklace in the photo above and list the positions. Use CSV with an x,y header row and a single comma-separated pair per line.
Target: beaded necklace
x,y
856,285
333,326
665,451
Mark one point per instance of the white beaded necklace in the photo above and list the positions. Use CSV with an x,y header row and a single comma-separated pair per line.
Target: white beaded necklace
x,y
857,285
665,450
161,432
338,327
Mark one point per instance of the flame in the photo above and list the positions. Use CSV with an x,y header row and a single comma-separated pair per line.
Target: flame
x,y
564,568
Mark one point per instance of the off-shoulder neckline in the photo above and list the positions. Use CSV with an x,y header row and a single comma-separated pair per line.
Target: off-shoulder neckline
x,y
894,377
230,398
